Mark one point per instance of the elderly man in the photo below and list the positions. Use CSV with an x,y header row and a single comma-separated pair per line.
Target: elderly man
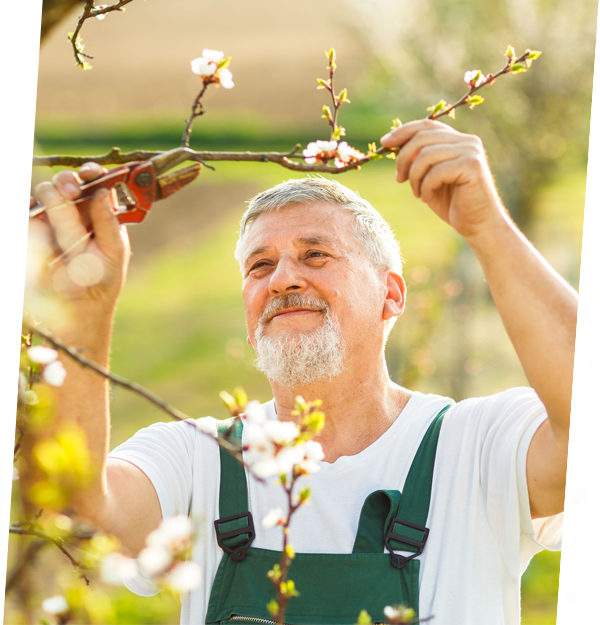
x,y
322,286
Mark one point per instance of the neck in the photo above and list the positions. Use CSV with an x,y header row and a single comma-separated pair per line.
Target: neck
x,y
359,405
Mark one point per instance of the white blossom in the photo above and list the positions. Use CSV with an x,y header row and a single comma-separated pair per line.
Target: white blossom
x,y
117,568
315,148
15,474
202,67
470,76
273,517
100,7
226,78
54,373
313,453
255,413
55,605
42,355
281,432
171,535
288,457
265,467
347,154
214,56
185,576
155,560
31,398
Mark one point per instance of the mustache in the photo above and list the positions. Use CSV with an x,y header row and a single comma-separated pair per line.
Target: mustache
x,y
293,300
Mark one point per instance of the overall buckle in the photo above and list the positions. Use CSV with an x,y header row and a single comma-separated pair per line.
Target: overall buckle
x,y
238,553
398,561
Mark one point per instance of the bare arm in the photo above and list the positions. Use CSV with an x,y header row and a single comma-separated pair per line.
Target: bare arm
x,y
449,172
121,499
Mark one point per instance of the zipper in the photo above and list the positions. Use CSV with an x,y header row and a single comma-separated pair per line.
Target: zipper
x,y
252,619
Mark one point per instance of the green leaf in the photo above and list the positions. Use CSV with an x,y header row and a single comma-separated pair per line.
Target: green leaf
x,y
510,52
304,494
440,106
517,68
474,100
240,397
364,618
533,54
273,607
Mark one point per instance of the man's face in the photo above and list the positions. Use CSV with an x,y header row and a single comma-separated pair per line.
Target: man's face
x,y
310,251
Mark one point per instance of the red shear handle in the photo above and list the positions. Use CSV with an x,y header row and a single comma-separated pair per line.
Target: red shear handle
x,y
138,190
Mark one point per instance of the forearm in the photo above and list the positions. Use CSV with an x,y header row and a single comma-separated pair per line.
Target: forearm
x,y
81,400
538,309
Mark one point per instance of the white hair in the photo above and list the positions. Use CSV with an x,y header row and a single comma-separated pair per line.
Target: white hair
x,y
370,228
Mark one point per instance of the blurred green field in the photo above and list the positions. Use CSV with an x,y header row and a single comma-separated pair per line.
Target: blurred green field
x,y
180,327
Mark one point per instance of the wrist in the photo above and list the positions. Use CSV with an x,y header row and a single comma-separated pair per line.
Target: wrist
x,y
484,238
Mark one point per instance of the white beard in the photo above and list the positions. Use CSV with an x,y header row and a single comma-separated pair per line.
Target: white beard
x,y
300,359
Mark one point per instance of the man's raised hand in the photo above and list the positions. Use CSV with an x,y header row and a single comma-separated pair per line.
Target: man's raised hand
x,y
449,171
88,269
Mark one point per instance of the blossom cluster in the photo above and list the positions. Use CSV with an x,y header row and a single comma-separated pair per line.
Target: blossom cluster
x,y
277,447
163,559
324,151
53,372
212,68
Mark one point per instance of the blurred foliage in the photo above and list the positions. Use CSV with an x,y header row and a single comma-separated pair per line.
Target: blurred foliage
x,y
530,123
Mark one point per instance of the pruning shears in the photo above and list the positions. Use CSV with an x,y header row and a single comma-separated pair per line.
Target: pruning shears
x,y
137,184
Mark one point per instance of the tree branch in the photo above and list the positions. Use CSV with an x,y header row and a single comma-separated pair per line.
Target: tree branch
x,y
175,413
116,157
89,10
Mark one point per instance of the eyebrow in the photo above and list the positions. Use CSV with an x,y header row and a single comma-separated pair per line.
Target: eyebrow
x,y
305,241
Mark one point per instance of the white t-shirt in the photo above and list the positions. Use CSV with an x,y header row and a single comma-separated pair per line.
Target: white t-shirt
x,y
481,533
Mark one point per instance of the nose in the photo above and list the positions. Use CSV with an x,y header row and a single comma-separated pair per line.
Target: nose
x,y
286,277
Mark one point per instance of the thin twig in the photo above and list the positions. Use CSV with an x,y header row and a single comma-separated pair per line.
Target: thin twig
x,y
488,81
175,413
197,111
13,529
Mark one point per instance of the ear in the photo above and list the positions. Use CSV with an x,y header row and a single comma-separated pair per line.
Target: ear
x,y
395,296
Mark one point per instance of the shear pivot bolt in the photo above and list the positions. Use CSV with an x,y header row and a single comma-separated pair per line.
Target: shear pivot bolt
x,y
143,179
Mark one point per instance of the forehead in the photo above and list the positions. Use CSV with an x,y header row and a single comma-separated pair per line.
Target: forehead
x,y
298,222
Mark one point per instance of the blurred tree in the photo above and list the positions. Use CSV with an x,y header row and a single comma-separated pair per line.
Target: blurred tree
x,y
532,123
53,11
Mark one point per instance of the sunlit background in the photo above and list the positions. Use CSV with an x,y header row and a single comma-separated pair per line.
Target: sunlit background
x,y
180,325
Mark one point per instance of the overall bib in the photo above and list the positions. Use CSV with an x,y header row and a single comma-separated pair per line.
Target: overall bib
x,y
333,588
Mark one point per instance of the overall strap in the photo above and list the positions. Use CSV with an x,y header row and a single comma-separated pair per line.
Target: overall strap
x,y
397,521
235,527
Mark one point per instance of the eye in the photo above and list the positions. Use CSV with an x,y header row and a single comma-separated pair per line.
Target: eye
x,y
314,254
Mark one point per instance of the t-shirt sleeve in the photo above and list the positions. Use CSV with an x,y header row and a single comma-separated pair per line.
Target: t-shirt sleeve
x,y
164,452
508,423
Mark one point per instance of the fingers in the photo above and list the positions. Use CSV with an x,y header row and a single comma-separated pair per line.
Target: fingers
x,y
106,226
91,171
425,139
62,215
446,173
401,135
428,158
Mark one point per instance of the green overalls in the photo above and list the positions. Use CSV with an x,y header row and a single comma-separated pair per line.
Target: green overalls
x,y
333,588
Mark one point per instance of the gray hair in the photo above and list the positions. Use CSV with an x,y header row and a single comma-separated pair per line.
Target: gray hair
x,y
373,232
